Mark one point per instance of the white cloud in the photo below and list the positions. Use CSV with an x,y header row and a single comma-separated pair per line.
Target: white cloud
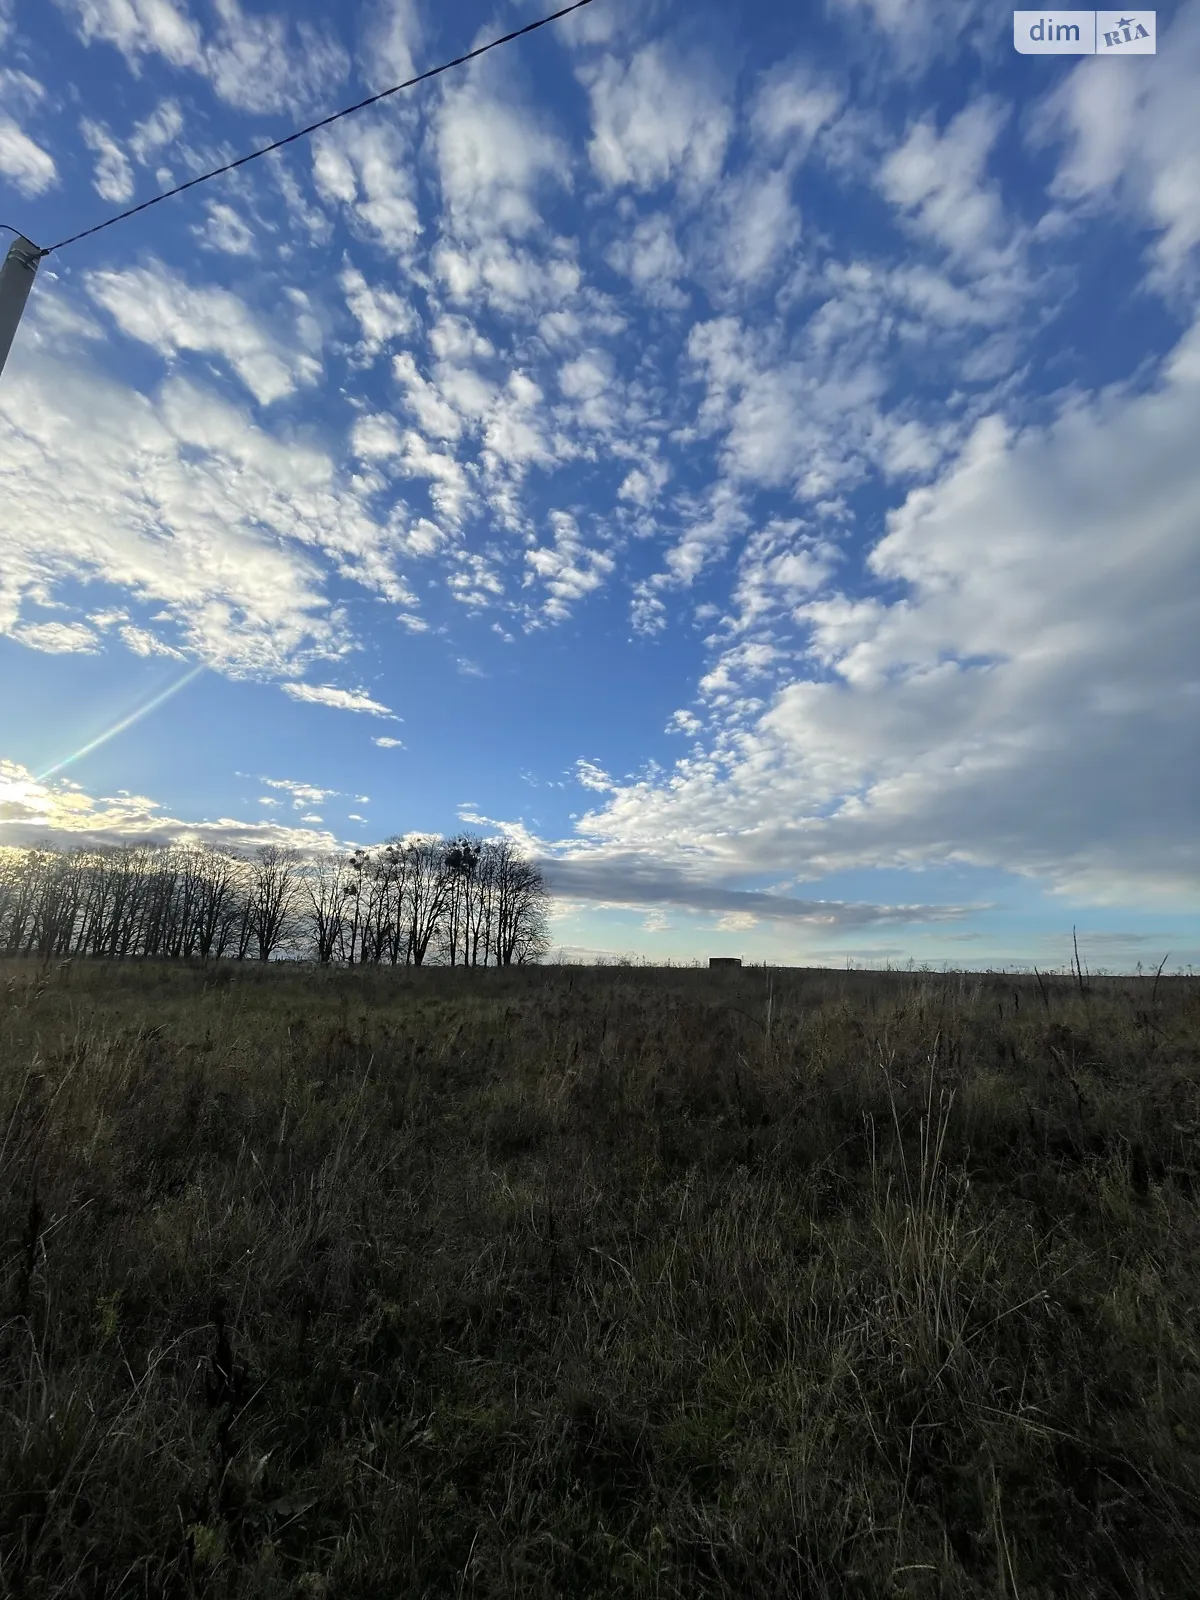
x,y
155,132
434,414
454,338
365,167
590,775
114,176
105,619
254,64
381,314
650,258
392,35
385,743
779,566
376,437
510,280
475,585
65,815
144,643
655,118
826,398
20,90
177,499
647,613
909,448
989,299
449,490
339,699
29,168
569,570
590,382
514,440
1044,650
58,638
224,230
139,27
792,104
1133,140
492,156
303,794
252,61
644,484
425,538
710,524
941,179
757,225
919,32
748,660
156,306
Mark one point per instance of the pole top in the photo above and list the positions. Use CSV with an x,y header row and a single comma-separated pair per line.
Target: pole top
x,y
24,251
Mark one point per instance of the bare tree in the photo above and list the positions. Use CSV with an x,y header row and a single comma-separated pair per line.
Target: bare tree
x,y
460,860
519,929
60,899
275,877
131,866
216,897
383,883
238,930
354,912
483,905
427,890
472,900
185,936
321,895
395,872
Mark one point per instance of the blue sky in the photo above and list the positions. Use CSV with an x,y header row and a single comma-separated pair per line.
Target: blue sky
x,y
747,455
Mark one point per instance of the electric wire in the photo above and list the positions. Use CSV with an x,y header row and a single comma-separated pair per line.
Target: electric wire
x,y
312,128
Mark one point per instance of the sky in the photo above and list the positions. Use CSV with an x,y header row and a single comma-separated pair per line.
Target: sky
x,y
746,455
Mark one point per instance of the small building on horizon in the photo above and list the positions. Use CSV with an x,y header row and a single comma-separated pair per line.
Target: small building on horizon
x,y
724,961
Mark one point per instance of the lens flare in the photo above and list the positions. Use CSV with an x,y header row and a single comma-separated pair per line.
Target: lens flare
x,y
125,722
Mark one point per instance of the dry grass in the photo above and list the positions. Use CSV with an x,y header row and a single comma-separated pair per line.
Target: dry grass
x,y
568,1282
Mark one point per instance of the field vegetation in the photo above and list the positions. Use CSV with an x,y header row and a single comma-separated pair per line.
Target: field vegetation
x,y
544,1281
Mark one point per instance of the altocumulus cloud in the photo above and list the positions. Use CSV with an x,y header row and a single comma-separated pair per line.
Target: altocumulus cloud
x,y
342,699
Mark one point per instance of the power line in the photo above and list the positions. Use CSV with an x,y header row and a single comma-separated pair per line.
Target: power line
x,y
312,127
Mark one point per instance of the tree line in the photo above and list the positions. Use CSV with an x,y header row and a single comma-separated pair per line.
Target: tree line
x,y
465,901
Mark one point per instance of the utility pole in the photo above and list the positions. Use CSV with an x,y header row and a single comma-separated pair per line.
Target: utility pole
x,y
16,280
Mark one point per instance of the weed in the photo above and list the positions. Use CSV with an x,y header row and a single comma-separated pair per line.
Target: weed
x,y
596,1282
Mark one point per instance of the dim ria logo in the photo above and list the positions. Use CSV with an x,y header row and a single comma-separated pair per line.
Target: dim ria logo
x,y
1084,33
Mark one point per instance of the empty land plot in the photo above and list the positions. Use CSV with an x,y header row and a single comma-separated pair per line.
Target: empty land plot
x,y
568,1281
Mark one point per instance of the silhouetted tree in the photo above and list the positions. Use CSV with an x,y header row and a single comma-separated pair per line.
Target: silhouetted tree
x,y
321,894
460,862
216,901
520,932
428,886
473,900
274,881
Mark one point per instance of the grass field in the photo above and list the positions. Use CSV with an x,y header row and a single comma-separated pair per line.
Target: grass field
x,y
585,1282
